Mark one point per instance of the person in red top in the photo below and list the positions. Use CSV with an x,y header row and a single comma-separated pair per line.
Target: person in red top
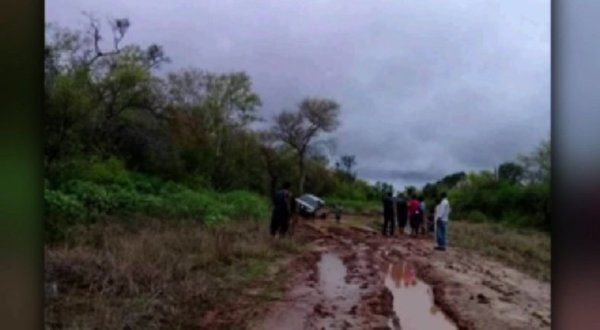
x,y
414,211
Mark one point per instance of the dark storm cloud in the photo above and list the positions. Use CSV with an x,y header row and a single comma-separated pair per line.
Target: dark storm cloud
x,y
427,87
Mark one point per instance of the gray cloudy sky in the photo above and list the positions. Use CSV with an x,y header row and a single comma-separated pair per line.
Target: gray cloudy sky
x,y
427,87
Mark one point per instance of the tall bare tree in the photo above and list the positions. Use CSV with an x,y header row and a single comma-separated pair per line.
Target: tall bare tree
x,y
298,129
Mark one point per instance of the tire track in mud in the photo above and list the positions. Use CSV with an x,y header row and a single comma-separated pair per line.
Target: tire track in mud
x,y
345,281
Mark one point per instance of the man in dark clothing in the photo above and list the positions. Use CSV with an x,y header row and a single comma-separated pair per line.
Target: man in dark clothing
x,y
401,212
388,214
281,210
338,213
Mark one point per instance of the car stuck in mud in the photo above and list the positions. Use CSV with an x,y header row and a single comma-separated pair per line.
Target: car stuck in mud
x,y
311,206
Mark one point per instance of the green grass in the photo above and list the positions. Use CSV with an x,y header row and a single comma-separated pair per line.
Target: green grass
x,y
77,201
525,250
256,268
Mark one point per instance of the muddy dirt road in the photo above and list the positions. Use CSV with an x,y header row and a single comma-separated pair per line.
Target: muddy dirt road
x,y
353,278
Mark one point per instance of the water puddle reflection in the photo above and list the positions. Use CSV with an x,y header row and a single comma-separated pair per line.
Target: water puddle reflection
x,y
332,273
413,300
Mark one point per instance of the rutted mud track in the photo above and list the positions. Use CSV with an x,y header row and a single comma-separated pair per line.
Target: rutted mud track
x,y
340,283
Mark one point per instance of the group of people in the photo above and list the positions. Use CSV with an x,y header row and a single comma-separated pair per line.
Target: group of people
x,y
414,212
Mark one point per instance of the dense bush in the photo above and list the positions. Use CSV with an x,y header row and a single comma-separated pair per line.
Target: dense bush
x,y
517,194
357,190
477,216
245,204
513,204
61,212
79,201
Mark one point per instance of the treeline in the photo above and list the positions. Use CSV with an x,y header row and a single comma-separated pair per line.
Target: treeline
x,y
516,193
120,135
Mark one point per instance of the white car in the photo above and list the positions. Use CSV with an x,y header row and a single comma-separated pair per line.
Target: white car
x,y
309,205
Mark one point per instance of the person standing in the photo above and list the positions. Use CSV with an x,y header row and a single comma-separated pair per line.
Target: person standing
x,y
443,213
338,213
281,210
434,216
414,209
388,214
401,212
422,219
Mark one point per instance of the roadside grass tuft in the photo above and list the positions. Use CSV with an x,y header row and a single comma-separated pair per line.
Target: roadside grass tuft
x,y
525,250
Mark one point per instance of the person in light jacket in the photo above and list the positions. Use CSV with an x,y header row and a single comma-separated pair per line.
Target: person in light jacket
x,y
442,212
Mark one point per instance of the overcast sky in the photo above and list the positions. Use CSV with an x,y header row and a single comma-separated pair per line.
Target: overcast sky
x,y
427,87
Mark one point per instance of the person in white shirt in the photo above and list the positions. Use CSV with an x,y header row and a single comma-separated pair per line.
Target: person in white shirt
x,y
436,212
442,212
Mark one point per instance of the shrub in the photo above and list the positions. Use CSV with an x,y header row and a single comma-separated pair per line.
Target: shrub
x,y
515,219
246,205
187,203
79,201
477,217
107,171
61,211
147,184
95,198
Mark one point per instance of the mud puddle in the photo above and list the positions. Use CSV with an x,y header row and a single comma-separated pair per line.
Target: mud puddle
x,y
413,300
332,283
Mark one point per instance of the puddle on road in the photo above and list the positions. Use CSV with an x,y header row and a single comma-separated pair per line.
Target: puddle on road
x,y
334,290
332,273
413,300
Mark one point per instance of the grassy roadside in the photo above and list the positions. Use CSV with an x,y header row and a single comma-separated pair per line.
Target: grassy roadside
x,y
525,250
157,274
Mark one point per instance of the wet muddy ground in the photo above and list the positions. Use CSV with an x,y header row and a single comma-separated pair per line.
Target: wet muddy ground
x,y
413,300
353,278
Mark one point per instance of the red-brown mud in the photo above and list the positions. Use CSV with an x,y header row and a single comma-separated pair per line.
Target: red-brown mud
x,y
353,278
